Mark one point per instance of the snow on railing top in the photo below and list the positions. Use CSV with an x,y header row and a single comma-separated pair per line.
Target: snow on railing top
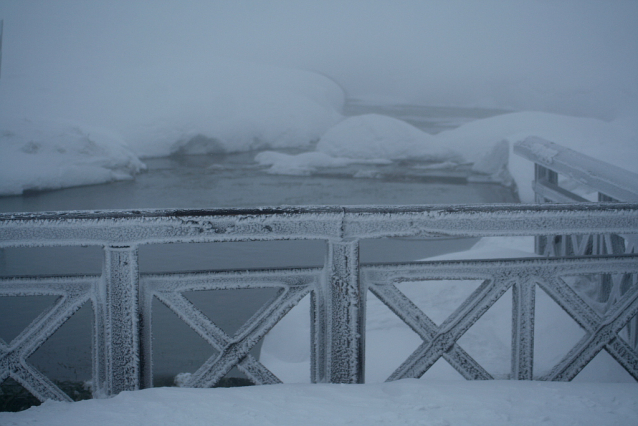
x,y
608,179
286,223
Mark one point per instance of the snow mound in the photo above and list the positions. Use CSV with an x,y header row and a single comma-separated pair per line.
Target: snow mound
x,y
486,144
482,142
372,136
48,154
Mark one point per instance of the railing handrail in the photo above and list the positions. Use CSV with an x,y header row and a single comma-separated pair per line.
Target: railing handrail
x,y
123,228
613,181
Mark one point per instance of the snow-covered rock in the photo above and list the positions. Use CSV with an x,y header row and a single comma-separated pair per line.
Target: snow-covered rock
x,y
486,143
372,136
211,105
53,154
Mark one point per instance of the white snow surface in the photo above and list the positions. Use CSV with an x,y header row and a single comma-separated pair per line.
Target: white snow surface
x,y
307,162
404,402
53,154
371,136
486,143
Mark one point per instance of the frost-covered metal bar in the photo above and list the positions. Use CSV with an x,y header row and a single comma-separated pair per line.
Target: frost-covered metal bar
x,y
498,276
119,228
608,179
293,285
523,306
73,292
122,299
339,319
116,343
612,184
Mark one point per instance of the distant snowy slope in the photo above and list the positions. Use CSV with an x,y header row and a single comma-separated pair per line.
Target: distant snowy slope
x,y
53,154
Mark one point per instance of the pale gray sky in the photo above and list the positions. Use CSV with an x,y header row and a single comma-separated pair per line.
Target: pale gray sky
x,y
568,56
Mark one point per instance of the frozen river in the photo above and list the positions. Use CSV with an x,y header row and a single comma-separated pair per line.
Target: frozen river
x,y
232,180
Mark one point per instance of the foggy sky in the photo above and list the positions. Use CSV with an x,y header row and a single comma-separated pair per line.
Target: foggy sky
x,y
574,57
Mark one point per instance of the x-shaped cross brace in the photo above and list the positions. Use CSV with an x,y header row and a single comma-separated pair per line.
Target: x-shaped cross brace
x,y
601,332
234,351
75,292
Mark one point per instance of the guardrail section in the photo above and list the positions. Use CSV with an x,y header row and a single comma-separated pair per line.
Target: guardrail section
x,y
555,166
122,297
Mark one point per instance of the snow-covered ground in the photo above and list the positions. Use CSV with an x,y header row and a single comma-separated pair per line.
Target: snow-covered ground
x,y
404,402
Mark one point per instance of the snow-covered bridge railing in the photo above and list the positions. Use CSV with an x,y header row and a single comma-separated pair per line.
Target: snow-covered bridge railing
x,y
560,173
121,296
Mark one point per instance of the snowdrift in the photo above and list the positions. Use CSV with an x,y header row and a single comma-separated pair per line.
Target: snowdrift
x,y
53,154
485,143
404,402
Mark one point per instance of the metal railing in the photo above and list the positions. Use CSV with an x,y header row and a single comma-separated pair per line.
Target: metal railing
x,y
553,164
122,297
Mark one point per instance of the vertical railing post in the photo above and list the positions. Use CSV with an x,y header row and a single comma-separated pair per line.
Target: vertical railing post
x,y
116,345
338,318
543,174
523,307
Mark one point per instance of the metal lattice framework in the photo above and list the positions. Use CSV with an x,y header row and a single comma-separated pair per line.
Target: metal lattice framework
x,y
498,276
122,297
610,184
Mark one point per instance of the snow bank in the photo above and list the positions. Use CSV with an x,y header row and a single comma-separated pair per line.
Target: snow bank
x,y
404,402
486,143
377,136
210,105
478,141
52,154
285,350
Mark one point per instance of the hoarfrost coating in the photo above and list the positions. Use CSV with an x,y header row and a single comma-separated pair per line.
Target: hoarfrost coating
x,y
286,353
